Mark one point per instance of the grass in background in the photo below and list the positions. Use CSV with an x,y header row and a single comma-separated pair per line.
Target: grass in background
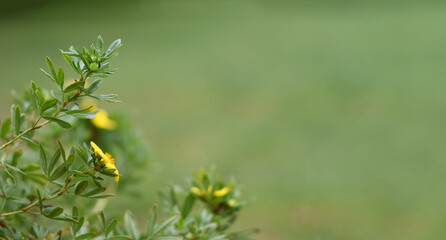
x,y
334,114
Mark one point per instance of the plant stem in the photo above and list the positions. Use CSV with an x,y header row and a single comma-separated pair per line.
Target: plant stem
x,y
25,209
42,124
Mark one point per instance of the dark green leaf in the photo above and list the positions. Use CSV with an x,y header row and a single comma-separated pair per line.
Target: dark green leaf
x,y
81,186
17,119
31,142
61,122
65,219
5,127
43,160
54,160
111,226
52,212
188,204
48,104
85,236
74,86
119,238
40,201
101,196
60,78
94,191
62,150
58,172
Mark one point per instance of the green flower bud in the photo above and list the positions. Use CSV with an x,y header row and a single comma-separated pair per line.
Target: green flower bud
x,y
93,66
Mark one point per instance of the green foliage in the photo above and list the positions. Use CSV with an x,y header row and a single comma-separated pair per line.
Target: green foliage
x,y
40,178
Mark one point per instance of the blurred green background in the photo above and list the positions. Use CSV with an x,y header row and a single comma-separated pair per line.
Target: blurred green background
x,y
330,113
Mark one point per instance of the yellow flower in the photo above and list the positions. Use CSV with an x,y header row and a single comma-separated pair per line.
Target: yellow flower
x,y
106,158
221,192
101,119
202,192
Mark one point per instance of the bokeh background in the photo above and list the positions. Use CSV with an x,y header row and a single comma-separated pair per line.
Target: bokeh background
x,y
331,114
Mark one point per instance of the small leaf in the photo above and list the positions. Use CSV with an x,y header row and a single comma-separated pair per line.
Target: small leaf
x,y
43,160
48,104
5,127
111,226
54,160
85,236
62,150
93,192
74,86
152,220
65,219
130,225
101,196
94,86
188,204
40,200
53,212
61,122
100,43
81,186
119,238
102,219
50,65
113,47
166,223
17,119
60,77
58,172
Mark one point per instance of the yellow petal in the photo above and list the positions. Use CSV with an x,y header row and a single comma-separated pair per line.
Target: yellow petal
x,y
102,120
97,150
221,192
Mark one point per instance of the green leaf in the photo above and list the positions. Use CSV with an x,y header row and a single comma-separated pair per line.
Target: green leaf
x,y
101,196
130,225
100,44
113,48
168,238
119,238
54,160
94,191
102,219
50,65
61,122
62,150
43,160
48,104
40,200
85,236
74,86
5,127
69,61
81,186
48,75
111,226
65,219
52,212
17,119
58,172
166,224
151,222
94,86
60,77
31,142
106,97
188,204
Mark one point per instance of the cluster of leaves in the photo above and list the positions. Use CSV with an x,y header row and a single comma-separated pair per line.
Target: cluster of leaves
x,y
41,178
